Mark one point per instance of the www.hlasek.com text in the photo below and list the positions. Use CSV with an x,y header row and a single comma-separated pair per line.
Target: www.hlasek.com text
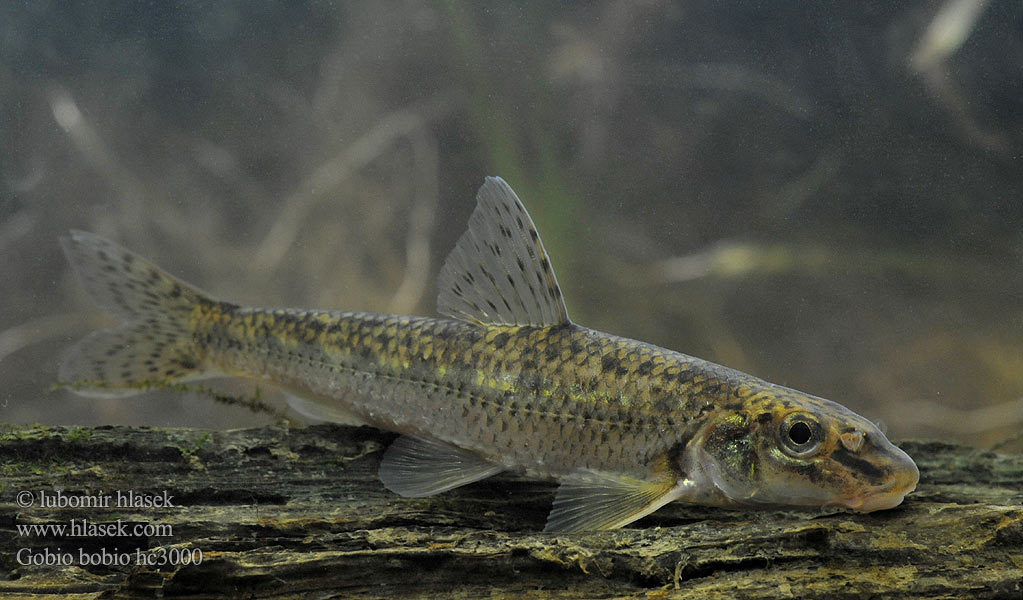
x,y
81,528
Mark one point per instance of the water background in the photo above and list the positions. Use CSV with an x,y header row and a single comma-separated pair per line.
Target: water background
x,y
828,196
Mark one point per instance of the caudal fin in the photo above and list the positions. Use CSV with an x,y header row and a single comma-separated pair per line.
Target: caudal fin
x,y
155,343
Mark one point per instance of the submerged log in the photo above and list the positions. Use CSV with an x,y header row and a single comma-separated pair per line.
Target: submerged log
x,y
299,513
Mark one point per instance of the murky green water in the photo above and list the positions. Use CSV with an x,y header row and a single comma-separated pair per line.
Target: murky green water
x,y
828,197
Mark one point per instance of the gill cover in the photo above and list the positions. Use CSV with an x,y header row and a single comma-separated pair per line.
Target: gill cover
x,y
728,458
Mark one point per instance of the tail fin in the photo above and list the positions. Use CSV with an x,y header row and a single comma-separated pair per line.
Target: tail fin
x,y
153,346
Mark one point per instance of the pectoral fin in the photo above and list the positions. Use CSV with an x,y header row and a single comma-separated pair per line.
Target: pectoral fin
x,y
594,500
416,467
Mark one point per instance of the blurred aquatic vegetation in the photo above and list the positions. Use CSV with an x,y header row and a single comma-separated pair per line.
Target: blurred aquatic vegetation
x,y
946,33
517,143
825,196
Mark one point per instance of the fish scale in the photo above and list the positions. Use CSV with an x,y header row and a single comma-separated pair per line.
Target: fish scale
x,y
506,382
567,411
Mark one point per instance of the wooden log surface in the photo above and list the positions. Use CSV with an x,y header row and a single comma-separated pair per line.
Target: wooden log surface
x,y
283,512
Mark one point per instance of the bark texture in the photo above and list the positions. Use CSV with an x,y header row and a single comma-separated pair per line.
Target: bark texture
x,y
299,513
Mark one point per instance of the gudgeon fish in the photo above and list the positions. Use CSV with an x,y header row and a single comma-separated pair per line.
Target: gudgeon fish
x,y
506,382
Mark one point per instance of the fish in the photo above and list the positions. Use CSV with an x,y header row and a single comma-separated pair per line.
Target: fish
x,y
503,381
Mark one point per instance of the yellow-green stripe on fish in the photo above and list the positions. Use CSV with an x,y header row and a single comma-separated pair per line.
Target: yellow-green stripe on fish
x,y
506,382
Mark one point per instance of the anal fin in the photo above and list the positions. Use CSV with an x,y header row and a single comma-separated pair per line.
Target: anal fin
x,y
416,467
589,500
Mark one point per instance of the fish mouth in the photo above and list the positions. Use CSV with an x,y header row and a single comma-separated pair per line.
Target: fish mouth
x,y
886,496
874,500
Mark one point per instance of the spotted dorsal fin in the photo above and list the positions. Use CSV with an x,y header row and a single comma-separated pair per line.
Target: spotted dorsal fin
x,y
499,273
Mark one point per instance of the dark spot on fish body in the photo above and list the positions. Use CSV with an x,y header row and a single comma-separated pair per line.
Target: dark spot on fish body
x,y
733,406
764,417
410,344
682,378
608,363
500,340
711,388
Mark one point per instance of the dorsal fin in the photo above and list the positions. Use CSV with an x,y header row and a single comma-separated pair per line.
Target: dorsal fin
x,y
499,272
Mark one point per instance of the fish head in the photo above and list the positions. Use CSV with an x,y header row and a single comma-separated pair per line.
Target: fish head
x,y
793,449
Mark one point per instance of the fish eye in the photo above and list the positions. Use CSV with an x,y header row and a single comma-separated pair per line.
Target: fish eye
x,y
801,435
